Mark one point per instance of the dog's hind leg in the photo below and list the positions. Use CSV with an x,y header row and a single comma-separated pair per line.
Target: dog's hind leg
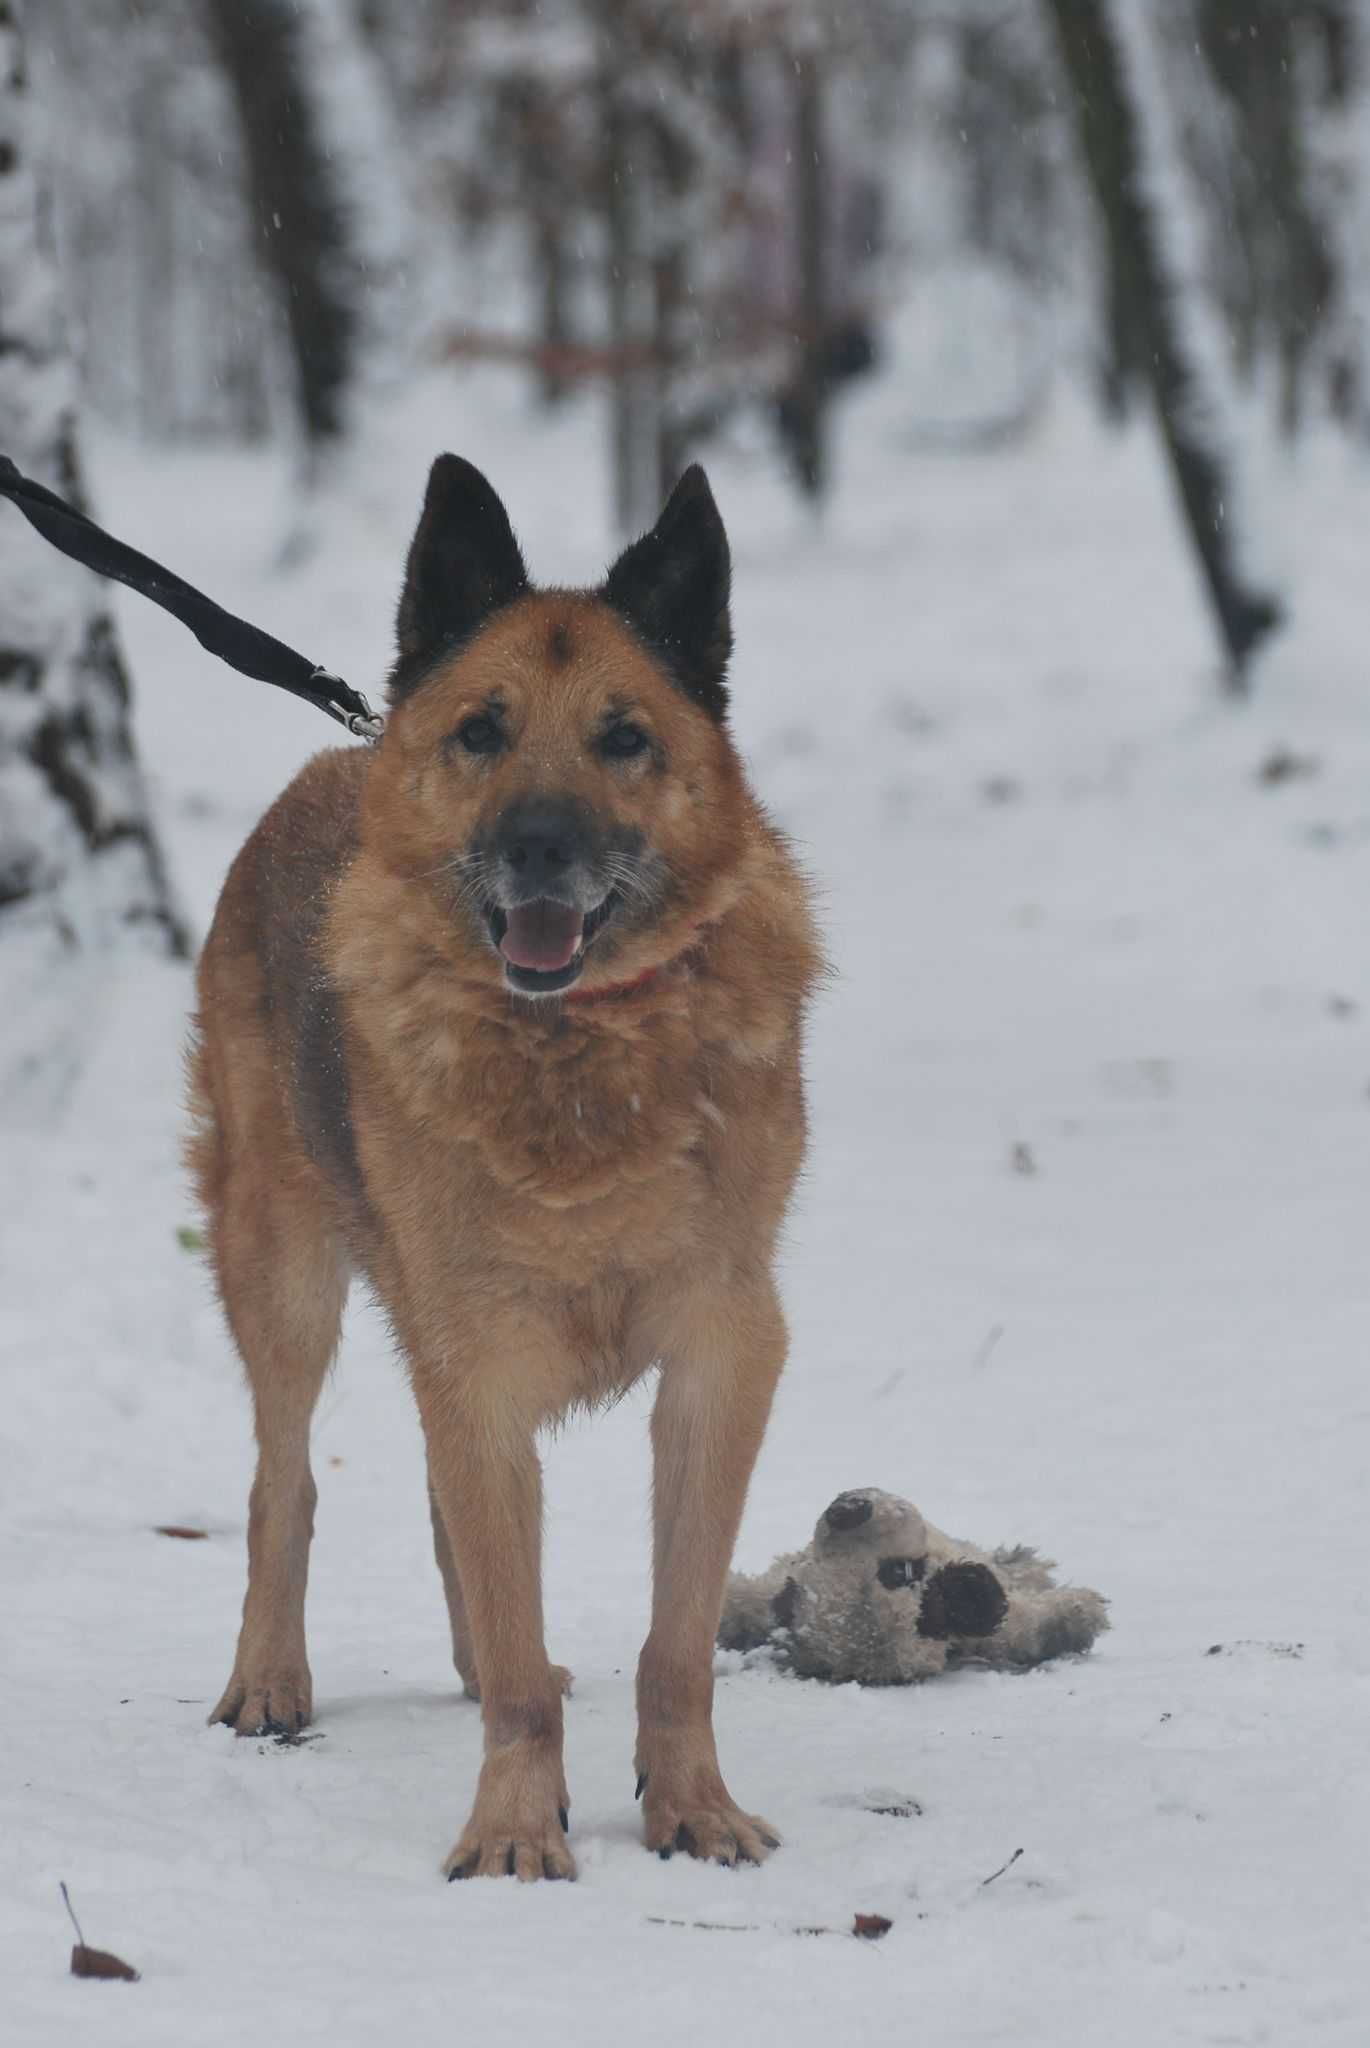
x,y
284,1281
463,1647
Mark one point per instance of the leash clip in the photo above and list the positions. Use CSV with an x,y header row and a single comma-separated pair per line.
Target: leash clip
x,y
368,727
363,724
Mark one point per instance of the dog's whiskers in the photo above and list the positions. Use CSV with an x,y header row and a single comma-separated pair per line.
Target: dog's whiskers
x,y
628,877
467,874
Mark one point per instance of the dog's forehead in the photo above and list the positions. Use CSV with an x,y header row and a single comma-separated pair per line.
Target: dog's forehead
x,y
559,654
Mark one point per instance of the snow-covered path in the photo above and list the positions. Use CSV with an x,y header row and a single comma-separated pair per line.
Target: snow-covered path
x,y
1080,1260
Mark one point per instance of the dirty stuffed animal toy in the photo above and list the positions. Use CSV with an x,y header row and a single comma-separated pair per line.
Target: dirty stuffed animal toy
x,y
882,1597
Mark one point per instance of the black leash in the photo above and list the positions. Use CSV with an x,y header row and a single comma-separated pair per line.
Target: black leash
x,y
246,648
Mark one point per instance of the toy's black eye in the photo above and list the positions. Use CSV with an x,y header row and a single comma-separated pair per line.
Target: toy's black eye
x,y
623,742
900,1571
479,734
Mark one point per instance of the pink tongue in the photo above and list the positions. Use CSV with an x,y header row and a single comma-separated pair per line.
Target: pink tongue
x,y
542,935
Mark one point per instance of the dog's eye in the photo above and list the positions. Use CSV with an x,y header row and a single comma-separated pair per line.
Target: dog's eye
x,y
622,742
479,734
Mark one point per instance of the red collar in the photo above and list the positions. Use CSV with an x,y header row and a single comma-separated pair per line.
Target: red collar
x,y
613,988
577,994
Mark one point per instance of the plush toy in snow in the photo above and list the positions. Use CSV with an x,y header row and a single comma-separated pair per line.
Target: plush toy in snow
x,y
882,1597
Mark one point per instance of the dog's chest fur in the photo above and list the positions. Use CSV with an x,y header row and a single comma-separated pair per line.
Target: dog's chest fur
x,y
555,1138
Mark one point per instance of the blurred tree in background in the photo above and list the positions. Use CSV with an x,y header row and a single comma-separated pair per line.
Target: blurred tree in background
x,y
1127,144
81,869
299,228
715,214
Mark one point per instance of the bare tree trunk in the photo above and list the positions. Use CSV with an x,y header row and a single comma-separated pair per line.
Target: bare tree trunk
x,y
155,365
633,447
373,184
80,866
1122,370
299,218
1253,53
1110,127
805,410
549,203
1340,30
669,287
550,257
618,292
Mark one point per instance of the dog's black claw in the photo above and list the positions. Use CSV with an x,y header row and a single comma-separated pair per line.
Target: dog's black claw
x,y
641,1786
564,1817
666,1854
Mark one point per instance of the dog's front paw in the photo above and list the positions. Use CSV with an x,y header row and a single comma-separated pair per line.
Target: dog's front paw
x,y
692,1811
518,1825
269,1699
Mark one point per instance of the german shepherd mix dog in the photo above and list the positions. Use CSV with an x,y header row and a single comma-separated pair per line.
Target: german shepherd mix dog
x,y
505,1016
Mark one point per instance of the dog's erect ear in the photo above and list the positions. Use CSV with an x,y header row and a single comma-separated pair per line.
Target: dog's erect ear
x,y
672,588
464,564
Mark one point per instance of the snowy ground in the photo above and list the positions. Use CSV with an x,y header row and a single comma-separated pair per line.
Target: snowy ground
x,y
1073,930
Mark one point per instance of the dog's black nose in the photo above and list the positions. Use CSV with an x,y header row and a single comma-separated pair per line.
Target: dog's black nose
x,y
538,853
540,838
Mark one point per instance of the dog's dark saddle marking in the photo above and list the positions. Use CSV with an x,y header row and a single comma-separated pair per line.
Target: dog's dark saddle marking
x,y
295,883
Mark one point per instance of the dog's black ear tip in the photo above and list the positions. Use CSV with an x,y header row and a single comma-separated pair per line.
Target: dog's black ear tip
x,y
693,482
692,497
444,468
451,474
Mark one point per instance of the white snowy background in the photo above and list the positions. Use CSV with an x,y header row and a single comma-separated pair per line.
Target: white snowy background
x,y
1080,1259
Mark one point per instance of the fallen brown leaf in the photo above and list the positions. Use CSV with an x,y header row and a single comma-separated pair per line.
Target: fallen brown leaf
x,y
93,1962
871,1926
98,1962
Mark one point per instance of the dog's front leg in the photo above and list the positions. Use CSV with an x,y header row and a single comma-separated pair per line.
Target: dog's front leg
x,y
719,1370
488,1488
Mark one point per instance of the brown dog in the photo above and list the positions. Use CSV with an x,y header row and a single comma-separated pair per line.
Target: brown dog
x,y
505,1016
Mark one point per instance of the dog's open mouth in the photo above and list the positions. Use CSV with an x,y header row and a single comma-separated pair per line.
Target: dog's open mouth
x,y
543,942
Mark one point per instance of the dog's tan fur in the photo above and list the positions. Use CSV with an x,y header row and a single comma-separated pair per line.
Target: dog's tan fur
x,y
549,1197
